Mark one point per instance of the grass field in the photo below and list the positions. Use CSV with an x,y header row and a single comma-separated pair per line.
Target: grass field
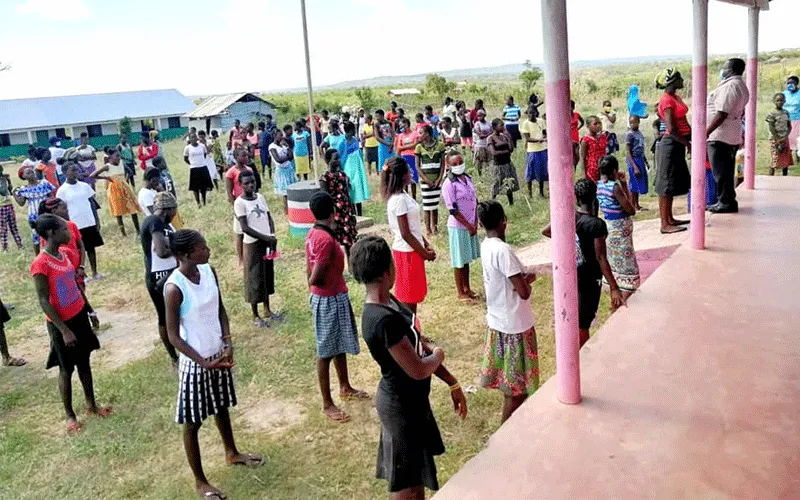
x,y
138,452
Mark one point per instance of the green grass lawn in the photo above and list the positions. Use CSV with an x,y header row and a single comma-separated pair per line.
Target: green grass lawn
x,y
138,452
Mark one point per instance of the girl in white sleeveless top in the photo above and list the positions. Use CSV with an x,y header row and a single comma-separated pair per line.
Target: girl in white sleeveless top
x,y
197,325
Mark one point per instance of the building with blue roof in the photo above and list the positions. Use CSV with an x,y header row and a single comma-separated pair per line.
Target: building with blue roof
x,y
35,120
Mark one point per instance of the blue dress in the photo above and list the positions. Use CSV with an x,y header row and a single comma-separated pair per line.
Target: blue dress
x,y
384,152
334,141
353,166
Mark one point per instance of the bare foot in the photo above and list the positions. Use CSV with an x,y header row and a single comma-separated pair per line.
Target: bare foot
x,y
73,426
205,490
245,459
14,362
352,393
336,415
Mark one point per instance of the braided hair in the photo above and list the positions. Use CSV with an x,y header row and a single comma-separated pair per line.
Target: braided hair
x,y
585,191
393,176
183,241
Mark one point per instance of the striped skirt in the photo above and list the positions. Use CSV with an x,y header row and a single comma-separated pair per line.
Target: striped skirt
x,y
202,392
334,325
430,195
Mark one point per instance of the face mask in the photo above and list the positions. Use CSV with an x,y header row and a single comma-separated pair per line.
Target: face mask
x,y
721,74
458,169
791,87
608,109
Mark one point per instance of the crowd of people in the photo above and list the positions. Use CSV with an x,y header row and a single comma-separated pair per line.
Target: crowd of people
x,y
427,158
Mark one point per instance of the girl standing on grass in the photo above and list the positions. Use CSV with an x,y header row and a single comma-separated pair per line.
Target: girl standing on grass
x,y
334,323
195,154
593,148
33,193
210,163
148,151
534,134
284,167
128,160
121,200
46,168
78,197
430,165
168,185
481,130
353,160
198,327
504,173
780,128
335,183
384,132
511,359
334,137
234,189
449,133
409,249
464,128
618,210
71,321
302,163
258,250
405,143
8,217
461,201
576,123
410,437
638,183
370,143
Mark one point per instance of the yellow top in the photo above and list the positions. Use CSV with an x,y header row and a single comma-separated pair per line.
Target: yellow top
x,y
371,142
536,131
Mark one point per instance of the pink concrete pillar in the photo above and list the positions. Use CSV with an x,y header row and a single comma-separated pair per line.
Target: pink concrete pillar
x,y
699,136
750,113
562,199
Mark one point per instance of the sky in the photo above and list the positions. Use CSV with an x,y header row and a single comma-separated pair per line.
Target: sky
x,y
201,47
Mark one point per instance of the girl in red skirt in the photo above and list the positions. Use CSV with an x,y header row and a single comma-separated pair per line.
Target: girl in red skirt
x,y
409,249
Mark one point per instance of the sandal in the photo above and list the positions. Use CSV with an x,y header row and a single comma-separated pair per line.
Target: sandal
x,y
260,323
250,460
100,411
356,395
15,362
278,318
73,428
339,416
675,229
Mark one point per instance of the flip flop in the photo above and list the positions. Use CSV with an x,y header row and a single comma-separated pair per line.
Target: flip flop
x,y
278,318
251,461
681,222
678,229
355,396
102,411
260,323
214,495
16,362
73,428
340,418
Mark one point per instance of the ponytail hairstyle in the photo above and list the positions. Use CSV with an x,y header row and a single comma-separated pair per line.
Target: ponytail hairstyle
x,y
183,242
393,176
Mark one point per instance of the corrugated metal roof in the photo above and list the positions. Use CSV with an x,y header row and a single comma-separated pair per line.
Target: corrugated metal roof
x,y
216,105
761,4
49,112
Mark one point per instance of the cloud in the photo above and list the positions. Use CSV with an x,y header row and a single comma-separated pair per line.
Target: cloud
x,y
60,10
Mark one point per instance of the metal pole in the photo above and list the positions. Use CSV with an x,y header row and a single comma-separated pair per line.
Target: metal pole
x,y
699,136
750,112
562,199
312,121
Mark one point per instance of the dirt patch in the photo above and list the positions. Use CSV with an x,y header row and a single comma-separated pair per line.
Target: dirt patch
x,y
273,416
125,337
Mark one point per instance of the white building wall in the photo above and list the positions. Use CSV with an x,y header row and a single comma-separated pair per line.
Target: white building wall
x,y
110,128
18,138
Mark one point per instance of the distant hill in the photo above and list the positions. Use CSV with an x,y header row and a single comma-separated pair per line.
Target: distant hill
x,y
471,73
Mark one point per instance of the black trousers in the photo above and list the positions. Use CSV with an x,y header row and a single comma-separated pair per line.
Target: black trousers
x,y
722,157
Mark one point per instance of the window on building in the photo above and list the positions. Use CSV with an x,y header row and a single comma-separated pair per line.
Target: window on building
x,y
42,137
61,133
174,122
94,130
5,140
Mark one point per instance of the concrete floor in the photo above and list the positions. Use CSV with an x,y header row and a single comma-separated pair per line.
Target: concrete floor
x,y
693,391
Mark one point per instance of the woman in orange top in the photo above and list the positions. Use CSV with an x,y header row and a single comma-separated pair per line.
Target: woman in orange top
x,y
46,167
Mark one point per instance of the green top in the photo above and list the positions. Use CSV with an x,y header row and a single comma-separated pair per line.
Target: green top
x,y
126,153
430,156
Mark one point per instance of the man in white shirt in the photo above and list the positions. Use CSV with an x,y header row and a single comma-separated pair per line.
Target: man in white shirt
x,y
725,110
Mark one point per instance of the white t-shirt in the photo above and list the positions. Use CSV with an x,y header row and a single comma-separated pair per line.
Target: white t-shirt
x,y
196,154
506,312
56,153
77,196
402,204
146,199
450,110
257,213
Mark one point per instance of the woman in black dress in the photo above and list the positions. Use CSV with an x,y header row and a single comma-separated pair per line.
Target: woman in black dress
x,y
410,437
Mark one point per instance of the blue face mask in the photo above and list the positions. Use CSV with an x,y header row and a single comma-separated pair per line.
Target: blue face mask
x,y
721,74
791,87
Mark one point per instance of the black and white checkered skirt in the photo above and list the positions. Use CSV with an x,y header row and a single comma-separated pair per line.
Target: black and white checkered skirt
x,y
202,392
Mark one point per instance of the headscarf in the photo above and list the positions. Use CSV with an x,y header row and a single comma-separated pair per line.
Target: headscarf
x,y
667,77
635,106
164,201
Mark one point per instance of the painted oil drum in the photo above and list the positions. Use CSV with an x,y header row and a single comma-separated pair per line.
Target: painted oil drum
x,y
300,217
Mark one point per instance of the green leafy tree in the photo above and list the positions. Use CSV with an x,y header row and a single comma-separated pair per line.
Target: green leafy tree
x,y
366,97
438,85
530,76
125,126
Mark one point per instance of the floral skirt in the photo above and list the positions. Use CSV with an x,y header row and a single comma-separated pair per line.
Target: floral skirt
x,y
780,154
621,255
121,200
510,362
